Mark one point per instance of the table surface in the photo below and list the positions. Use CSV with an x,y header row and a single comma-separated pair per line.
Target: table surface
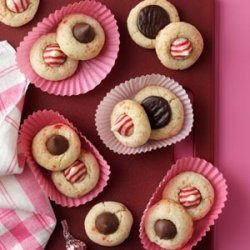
x,y
232,156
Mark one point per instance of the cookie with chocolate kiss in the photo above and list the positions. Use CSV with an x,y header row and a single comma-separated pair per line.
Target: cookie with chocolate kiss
x,y
108,223
80,37
56,146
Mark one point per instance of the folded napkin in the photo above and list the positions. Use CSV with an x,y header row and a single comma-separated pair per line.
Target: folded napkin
x,y
26,217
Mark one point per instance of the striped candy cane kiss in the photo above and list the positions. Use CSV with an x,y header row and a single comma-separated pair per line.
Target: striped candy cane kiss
x,y
189,197
76,172
17,6
53,55
124,125
181,48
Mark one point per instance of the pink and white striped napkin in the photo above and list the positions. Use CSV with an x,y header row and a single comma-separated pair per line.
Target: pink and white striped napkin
x,y
26,217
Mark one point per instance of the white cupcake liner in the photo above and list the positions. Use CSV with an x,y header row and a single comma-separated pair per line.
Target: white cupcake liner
x,y
128,90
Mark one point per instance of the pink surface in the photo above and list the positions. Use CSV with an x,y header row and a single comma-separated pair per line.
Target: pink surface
x,y
232,230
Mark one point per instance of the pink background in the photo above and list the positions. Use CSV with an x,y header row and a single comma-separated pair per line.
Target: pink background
x,y
232,230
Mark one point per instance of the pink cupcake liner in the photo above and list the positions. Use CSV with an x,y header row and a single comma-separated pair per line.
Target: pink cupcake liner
x,y
201,227
89,73
29,129
128,90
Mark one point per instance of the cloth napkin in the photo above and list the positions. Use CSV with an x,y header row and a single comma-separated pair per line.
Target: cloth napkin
x,y
26,217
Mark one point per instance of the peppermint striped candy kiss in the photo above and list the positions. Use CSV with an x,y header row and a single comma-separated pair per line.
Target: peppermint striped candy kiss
x,y
189,197
124,125
17,6
53,55
76,172
181,48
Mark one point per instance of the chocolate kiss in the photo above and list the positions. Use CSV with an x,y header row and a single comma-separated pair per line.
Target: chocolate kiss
x,y
83,33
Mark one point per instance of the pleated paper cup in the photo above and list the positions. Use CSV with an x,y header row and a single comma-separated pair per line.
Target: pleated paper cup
x,y
89,73
201,227
29,129
128,90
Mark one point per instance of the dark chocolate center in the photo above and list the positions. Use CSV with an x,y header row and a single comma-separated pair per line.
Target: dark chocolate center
x,y
57,144
83,33
106,223
158,111
165,229
151,20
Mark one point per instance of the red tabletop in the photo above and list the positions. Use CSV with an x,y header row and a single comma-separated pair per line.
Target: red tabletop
x,y
133,178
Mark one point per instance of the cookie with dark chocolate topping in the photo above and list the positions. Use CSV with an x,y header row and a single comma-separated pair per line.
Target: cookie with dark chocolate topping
x,y
147,18
164,110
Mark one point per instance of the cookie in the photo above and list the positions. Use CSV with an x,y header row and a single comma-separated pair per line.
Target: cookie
x,y
164,110
147,18
16,13
130,123
108,223
79,178
168,225
179,45
80,37
48,60
193,191
55,147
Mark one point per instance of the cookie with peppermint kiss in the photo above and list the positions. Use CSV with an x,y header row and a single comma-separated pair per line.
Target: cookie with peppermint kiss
x,y
80,177
179,45
191,190
130,124
16,13
49,61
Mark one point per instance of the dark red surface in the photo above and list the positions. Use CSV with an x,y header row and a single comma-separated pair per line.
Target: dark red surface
x,y
133,178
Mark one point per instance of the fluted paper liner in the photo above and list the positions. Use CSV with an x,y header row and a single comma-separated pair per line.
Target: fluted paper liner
x,y
201,227
128,90
90,73
29,129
